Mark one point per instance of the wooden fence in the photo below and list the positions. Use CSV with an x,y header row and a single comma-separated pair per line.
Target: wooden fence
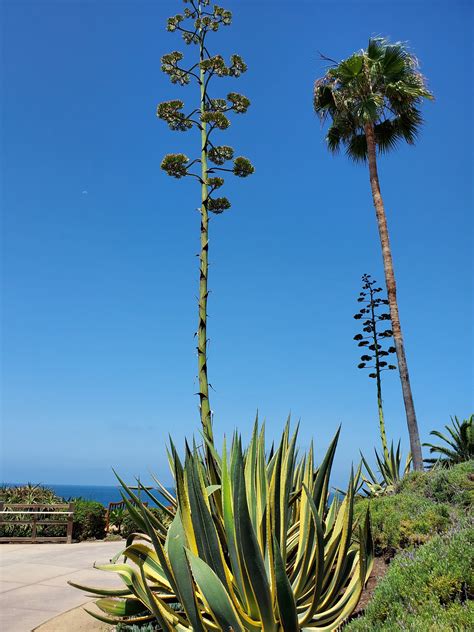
x,y
52,515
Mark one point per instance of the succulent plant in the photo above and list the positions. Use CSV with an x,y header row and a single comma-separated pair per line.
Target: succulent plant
x,y
390,469
265,549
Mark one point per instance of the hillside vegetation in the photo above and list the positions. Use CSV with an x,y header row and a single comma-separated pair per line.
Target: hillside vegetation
x,y
428,526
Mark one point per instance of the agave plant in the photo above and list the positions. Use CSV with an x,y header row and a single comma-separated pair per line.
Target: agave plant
x,y
459,443
266,549
29,494
390,471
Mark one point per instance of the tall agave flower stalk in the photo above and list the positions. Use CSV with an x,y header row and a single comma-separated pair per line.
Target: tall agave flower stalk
x,y
271,551
207,116
375,358
371,340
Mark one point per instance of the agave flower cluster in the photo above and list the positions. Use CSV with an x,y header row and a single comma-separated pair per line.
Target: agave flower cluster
x,y
372,339
262,549
210,115
194,24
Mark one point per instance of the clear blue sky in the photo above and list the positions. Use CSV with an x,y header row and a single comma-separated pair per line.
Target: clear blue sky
x,y
99,267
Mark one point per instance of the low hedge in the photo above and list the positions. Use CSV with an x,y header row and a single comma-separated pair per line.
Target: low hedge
x,y
429,589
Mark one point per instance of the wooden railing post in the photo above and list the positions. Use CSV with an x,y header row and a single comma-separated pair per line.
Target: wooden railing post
x,y
70,520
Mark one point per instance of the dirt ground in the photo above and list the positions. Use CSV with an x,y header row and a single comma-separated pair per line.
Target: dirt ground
x,y
379,570
76,620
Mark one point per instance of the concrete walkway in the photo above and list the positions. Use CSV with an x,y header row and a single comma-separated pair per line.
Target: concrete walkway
x,y
33,580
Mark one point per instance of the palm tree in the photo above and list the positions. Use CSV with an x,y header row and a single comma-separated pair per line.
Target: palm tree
x,y
372,100
459,444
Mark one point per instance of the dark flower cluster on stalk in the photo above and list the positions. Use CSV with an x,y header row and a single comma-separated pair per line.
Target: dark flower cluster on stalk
x,y
372,339
196,21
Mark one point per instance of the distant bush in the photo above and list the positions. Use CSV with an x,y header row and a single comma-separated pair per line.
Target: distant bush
x,y
128,526
428,589
89,520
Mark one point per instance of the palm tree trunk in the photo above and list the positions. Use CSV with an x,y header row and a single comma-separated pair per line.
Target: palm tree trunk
x,y
413,432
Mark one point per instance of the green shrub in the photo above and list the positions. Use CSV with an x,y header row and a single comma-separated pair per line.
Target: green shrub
x,y
403,520
453,485
426,590
89,520
425,503
128,526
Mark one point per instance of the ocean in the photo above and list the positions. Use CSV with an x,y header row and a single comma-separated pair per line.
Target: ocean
x,y
104,494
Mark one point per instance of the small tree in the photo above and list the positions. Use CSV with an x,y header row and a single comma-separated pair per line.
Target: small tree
x,y
208,116
373,340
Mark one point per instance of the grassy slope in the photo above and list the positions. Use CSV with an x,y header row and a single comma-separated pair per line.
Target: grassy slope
x,y
429,588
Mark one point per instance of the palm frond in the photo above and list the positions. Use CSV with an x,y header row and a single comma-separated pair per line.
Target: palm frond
x,y
382,86
356,147
460,442
375,48
334,139
395,62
